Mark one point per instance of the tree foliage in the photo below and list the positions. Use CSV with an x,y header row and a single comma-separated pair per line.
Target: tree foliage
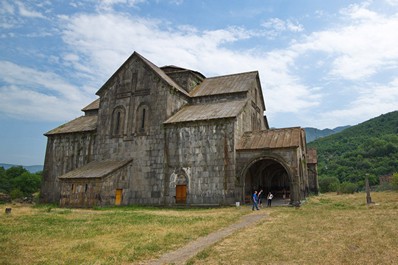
x,y
369,149
394,181
327,184
18,182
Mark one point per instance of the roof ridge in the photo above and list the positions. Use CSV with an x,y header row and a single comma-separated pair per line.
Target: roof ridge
x,y
228,75
155,68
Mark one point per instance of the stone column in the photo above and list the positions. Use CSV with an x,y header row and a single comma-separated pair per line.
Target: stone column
x,y
295,193
368,198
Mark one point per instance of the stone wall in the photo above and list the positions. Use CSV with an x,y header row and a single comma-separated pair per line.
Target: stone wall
x,y
145,144
64,153
186,79
204,152
85,192
313,178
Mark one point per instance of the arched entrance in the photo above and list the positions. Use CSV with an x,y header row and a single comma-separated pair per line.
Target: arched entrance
x,y
267,174
181,188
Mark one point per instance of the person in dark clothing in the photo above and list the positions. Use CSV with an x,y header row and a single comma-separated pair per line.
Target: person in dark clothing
x,y
255,200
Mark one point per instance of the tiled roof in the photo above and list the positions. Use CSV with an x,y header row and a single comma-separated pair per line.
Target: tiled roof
x,y
208,111
93,105
269,139
95,169
81,124
226,84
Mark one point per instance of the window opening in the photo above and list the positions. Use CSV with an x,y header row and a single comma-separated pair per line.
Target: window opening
x,y
117,126
143,119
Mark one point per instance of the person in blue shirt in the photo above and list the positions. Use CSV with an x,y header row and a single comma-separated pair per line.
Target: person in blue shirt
x,y
255,200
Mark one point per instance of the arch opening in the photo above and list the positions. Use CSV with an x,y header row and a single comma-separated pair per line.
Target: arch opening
x,y
268,175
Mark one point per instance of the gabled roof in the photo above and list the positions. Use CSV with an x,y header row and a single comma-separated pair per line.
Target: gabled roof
x,y
270,139
93,105
170,69
210,111
81,124
95,169
156,70
225,84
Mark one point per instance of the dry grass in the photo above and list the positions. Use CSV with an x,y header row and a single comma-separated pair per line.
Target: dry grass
x,y
45,235
328,229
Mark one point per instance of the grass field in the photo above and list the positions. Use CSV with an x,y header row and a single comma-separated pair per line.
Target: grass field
x,y
328,229
125,235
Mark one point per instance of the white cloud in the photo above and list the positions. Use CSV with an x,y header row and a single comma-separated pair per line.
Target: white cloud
x,y
108,39
372,101
31,94
27,12
362,45
355,53
6,8
276,26
392,2
107,5
360,49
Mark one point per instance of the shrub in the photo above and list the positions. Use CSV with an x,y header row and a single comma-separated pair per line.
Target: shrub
x,y
16,194
327,184
348,187
394,181
384,187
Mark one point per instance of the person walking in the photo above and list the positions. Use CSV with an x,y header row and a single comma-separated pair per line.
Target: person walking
x,y
269,199
255,200
260,202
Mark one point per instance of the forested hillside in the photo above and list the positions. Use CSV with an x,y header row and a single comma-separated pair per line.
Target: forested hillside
x,y
312,134
367,149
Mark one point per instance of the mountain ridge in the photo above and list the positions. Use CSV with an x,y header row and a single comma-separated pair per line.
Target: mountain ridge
x,y
31,168
312,133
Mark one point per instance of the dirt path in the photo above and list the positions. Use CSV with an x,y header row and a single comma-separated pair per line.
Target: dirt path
x,y
180,256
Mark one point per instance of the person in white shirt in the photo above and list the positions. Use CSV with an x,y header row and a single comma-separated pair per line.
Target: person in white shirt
x,y
269,199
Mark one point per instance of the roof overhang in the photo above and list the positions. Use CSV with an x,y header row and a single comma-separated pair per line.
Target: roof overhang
x,y
95,170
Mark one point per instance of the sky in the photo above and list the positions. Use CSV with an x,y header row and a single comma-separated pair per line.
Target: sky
x,y
322,63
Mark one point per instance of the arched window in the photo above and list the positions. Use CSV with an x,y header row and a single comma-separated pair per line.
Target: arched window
x,y
142,117
118,121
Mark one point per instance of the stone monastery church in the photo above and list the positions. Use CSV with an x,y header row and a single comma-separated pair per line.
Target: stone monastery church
x,y
171,136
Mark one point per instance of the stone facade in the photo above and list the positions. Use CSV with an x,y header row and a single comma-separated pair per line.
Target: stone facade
x,y
165,136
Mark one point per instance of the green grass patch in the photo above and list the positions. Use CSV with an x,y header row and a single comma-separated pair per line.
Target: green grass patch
x,y
46,234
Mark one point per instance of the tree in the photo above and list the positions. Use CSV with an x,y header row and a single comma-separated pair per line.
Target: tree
x,y
19,182
327,184
27,183
5,185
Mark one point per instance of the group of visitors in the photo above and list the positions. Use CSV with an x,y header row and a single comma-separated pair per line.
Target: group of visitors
x,y
257,199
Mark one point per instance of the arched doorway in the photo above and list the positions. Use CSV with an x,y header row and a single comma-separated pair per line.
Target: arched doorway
x,y
267,174
181,189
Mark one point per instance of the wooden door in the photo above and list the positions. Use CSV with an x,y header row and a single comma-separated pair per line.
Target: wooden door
x,y
118,199
181,193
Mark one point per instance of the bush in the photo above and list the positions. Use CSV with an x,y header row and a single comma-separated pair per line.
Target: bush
x,y
327,184
16,194
394,180
384,187
348,188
